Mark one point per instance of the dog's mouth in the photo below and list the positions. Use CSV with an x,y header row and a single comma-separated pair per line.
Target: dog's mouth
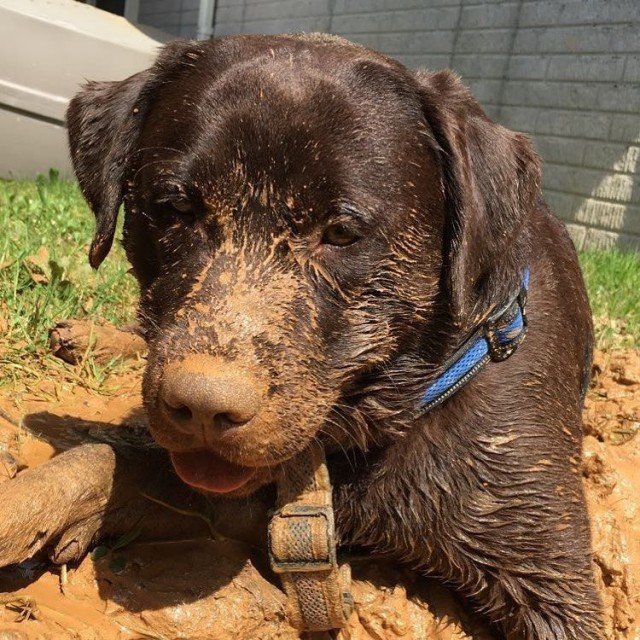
x,y
205,470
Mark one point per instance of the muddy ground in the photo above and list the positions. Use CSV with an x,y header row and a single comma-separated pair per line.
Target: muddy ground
x,y
203,588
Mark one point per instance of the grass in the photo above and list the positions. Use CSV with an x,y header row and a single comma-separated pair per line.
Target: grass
x,y
45,277
613,281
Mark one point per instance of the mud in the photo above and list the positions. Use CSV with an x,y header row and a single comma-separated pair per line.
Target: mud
x,y
71,340
205,588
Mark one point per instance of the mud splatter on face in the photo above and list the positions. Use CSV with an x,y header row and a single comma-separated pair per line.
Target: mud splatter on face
x,y
304,250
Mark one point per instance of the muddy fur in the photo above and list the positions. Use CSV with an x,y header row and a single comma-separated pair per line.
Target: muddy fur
x,y
274,139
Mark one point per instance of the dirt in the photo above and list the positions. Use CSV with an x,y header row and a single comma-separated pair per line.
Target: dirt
x,y
72,339
203,588
611,471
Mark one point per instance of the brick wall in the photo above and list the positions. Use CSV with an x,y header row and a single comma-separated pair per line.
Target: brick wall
x,y
178,17
565,71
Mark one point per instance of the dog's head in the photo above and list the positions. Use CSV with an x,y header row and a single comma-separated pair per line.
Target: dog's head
x,y
308,221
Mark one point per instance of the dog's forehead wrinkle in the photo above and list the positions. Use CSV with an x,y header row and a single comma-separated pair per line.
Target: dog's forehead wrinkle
x,y
257,145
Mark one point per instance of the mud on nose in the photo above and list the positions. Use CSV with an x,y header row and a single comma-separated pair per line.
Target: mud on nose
x,y
204,395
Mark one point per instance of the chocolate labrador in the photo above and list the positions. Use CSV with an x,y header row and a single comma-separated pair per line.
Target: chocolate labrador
x,y
321,236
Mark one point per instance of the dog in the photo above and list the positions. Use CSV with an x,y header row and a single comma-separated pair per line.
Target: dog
x,y
316,231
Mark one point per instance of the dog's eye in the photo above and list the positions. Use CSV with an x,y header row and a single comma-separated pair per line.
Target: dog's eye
x,y
339,235
175,207
181,205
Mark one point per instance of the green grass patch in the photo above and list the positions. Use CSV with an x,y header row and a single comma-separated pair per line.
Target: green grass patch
x,y
44,272
45,277
613,282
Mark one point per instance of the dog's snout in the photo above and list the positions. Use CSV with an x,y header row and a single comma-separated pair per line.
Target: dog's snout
x,y
201,396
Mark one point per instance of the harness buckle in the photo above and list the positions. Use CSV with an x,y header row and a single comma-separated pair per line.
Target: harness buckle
x,y
302,539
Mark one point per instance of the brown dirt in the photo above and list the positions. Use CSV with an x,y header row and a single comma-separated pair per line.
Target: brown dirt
x,y
72,339
209,589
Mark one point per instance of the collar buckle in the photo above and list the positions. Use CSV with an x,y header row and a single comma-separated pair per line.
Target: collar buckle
x,y
506,329
495,340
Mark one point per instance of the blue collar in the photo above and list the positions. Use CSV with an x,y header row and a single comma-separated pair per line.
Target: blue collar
x,y
494,340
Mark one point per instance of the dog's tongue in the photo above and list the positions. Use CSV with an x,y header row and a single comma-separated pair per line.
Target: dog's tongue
x,y
205,470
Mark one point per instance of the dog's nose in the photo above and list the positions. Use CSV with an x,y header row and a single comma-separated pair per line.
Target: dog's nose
x,y
202,396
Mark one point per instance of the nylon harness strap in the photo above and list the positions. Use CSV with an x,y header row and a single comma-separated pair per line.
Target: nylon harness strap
x,y
302,546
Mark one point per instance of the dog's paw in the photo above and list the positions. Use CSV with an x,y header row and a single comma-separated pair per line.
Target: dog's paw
x,y
57,507
72,340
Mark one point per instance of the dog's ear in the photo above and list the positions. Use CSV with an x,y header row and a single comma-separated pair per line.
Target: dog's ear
x,y
490,182
104,121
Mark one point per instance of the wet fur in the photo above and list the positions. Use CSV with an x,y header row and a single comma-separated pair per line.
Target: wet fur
x,y
274,137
